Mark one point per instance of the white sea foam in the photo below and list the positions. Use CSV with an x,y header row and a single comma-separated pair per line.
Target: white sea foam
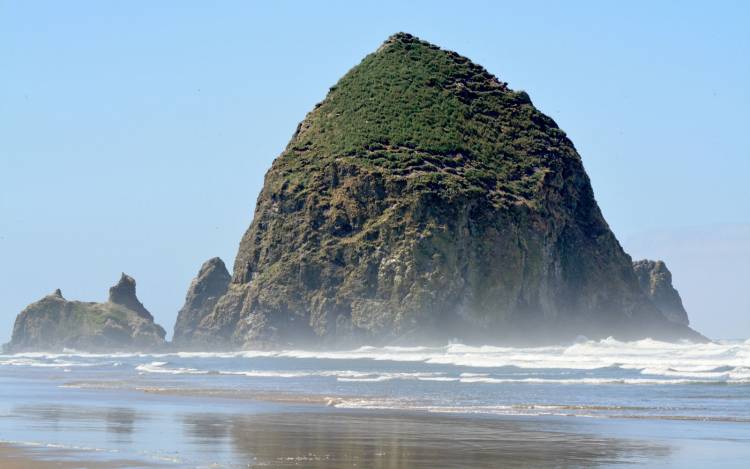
x,y
656,362
41,363
159,367
641,354
595,411
583,381
340,375
467,378
406,404
724,361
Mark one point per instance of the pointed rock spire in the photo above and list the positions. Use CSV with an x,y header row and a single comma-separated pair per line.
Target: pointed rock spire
x,y
656,282
205,290
123,293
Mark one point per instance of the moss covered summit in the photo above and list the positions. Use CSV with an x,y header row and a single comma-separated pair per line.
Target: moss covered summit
x,y
412,108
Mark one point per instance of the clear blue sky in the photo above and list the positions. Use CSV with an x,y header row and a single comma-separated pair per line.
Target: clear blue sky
x,y
134,135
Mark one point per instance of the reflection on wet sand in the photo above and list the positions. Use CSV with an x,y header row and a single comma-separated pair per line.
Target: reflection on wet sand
x,y
206,428
333,439
116,421
12,457
339,439
120,423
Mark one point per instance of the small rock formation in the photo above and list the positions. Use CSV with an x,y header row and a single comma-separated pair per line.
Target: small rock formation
x,y
656,281
54,323
205,290
124,294
424,200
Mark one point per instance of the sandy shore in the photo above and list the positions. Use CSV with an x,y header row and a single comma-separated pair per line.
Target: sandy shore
x,y
279,397
20,457
387,439
338,439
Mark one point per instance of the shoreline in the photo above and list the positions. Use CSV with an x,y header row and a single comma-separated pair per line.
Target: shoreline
x,y
379,404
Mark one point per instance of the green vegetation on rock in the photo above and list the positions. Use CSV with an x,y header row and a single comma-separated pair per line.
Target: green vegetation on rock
x,y
413,109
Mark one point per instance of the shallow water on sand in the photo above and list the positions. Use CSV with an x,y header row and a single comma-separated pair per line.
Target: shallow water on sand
x,y
647,402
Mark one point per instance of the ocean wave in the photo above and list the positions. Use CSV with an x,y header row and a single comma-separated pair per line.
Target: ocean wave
x,y
595,381
159,367
588,355
566,410
54,363
654,361
340,375
679,362
466,378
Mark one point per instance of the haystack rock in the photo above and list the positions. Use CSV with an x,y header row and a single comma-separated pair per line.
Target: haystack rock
x,y
656,281
424,200
54,323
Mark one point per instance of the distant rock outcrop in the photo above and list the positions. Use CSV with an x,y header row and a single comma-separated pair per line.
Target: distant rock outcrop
x,y
54,323
424,200
656,282
205,290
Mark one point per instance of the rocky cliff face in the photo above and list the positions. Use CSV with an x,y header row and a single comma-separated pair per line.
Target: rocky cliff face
x,y
204,292
423,199
54,323
656,282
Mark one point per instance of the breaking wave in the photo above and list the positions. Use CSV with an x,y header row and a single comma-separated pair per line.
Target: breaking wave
x,y
653,362
468,378
658,362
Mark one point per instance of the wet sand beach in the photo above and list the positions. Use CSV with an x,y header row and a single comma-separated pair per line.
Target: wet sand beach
x,y
25,457
389,440
340,439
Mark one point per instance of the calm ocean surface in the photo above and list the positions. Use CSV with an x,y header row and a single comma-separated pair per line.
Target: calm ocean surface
x,y
657,404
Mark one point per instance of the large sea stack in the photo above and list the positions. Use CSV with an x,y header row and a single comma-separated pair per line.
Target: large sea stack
x,y
424,200
54,323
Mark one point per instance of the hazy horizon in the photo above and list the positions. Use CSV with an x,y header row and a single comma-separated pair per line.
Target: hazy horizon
x,y
135,139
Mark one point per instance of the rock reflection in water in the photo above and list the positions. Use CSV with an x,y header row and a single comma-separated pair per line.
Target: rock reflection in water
x,y
120,422
116,421
206,428
333,440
